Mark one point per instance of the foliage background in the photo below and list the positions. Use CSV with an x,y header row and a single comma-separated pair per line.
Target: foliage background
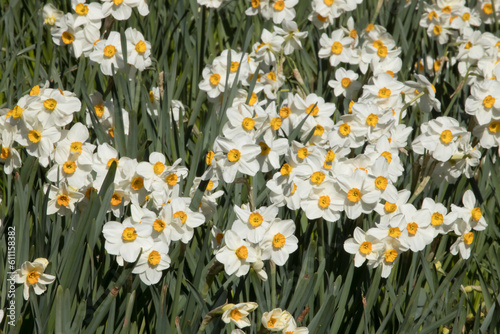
x,y
426,292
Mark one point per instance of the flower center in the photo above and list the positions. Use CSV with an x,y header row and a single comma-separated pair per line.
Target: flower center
x,y
394,232
476,213
67,37
82,9
34,136
255,219
141,47
210,156
236,314
137,183
468,238
285,112
365,247
271,322
234,155
381,182
412,228
494,127
159,225
437,29
354,195
488,8
129,234
384,92
99,110
253,99
302,153
317,177
154,258
214,79
158,167
390,255
337,48
437,219
219,238
387,155
382,52
181,215
346,82
115,199
117,2
50,104
279,5
279,240
390,207
242,253
17,112
5,152
329,2
312,110
109,51
446,136
275,123
318,130
234,66
33,277
286,169
63,200
345,129
488,101
172,179
76,147
248,123
264,148
372,120
255,3
69,167
324,201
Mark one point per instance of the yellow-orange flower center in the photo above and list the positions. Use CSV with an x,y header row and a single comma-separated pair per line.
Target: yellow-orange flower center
x,y
279,240
365,247
354,195
129,234
154,258
255,219
242,253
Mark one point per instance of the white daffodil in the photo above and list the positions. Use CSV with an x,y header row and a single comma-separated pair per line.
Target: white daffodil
x,y
364,246
39,140
51,15
63,199
138,49
32,274
276,320
184,218
358,193
336,48
152,262
469,213
279,241
108,53
126,239
418,232
236,254
253,225
345,83
292,36
237,155
119,9
238,314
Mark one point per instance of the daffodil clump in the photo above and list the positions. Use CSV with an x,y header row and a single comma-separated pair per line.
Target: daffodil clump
x,y
339,155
